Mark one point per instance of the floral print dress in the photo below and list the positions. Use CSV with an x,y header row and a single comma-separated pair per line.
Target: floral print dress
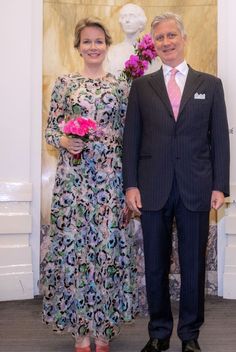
x,y
89,273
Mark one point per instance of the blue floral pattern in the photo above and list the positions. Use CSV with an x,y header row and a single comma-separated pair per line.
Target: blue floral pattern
x,y
89,272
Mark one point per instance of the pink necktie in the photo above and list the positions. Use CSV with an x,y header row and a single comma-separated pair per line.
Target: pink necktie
x,y
174,92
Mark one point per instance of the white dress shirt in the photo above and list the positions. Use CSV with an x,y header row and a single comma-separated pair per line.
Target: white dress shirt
x,y
180,76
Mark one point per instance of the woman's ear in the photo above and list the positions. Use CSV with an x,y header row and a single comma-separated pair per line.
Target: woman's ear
x,y
79,53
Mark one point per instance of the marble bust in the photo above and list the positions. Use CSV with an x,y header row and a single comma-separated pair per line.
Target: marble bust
x,y
132,20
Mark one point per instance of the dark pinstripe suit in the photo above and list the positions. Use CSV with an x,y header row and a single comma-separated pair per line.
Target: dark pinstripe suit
x,y
176,166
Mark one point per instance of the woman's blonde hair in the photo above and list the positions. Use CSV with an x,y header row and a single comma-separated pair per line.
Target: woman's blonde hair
x,y
90,22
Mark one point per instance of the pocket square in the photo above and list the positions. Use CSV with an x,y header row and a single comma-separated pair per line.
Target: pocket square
x,y
199,96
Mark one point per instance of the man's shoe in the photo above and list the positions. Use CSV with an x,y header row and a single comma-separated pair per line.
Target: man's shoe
x,y
190,346
156,345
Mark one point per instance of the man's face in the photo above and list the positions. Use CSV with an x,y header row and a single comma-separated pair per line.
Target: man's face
x,y
169,43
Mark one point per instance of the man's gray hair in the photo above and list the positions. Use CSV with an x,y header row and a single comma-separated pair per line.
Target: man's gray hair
x,y
167,16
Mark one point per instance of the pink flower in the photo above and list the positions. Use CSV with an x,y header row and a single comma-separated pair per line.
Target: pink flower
x,y
145,52
85,128
146,47
134,67
80,127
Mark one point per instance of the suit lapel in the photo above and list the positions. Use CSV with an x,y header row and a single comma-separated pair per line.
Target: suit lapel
x,y
193,81
157,82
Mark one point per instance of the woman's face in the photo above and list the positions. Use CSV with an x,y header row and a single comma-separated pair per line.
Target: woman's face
x,y
93,47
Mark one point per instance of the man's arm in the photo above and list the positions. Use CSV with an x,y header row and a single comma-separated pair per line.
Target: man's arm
x,y
131,140
220,150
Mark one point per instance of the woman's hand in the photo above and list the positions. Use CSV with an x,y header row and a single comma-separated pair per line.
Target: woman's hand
x,y
73,145
127,215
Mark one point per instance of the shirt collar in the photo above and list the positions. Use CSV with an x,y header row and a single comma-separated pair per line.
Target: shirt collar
x,y
182,68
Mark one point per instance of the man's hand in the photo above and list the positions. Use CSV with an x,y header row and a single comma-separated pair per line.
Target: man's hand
x,y
217,199
133,200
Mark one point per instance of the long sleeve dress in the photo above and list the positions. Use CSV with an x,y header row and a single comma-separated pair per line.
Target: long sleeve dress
x,y
89,274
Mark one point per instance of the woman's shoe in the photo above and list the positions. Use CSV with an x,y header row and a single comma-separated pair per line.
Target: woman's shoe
x,y
102,348
82,349
82,344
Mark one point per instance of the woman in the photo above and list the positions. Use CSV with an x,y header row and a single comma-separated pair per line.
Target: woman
x,y
89,271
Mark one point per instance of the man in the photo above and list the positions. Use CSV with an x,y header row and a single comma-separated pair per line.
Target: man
x,y
176,165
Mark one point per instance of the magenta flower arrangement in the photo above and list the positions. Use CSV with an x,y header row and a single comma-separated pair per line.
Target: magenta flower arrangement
x,y
137,63
80,127
84,128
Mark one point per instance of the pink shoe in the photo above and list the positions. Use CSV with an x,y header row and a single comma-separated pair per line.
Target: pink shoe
x,y
102,348
82,349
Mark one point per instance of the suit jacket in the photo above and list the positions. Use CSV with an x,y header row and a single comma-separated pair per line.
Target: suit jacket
x,y
195,148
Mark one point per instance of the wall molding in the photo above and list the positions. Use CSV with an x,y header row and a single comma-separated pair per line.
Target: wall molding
x,y
16,270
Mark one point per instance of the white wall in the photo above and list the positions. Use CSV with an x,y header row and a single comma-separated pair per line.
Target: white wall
x,y
15,66
20,145
36,130
226,67
227,224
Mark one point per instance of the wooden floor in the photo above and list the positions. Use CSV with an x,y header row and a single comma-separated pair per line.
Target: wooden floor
x,y
21,330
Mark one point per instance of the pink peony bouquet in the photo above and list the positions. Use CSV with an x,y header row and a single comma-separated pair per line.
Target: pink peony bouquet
x,y
81,127
137,63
